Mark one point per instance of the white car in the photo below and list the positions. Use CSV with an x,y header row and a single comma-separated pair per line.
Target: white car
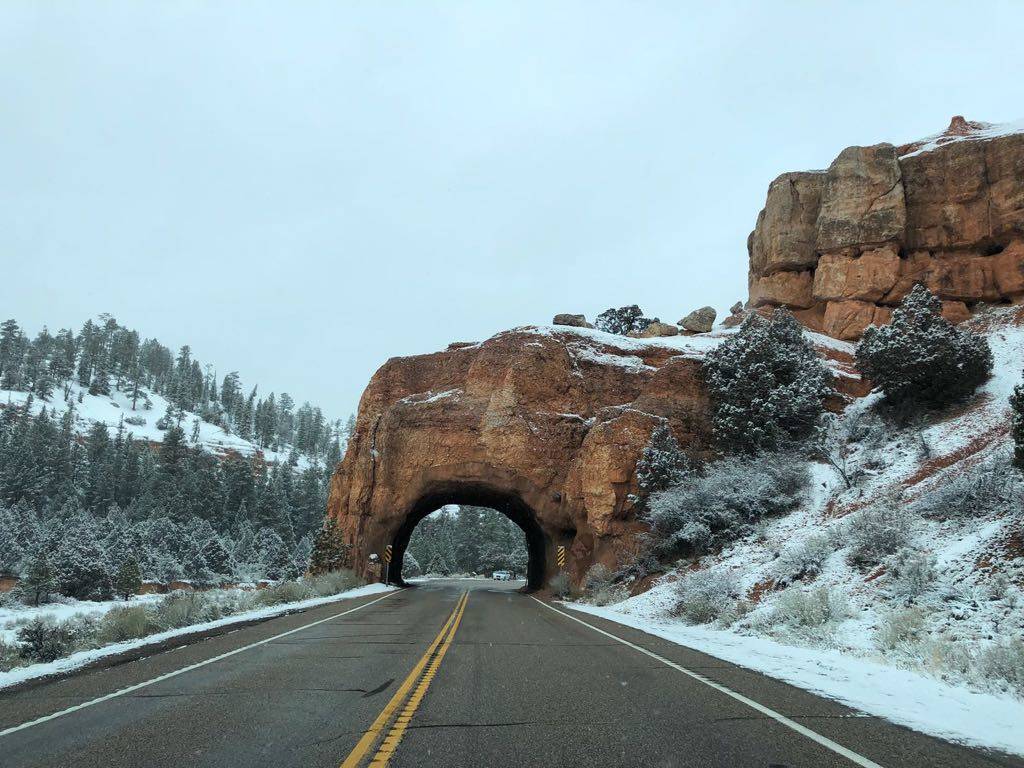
x,y
501,576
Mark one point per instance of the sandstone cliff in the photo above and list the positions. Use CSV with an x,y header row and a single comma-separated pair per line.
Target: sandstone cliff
x,y
545,424
841,247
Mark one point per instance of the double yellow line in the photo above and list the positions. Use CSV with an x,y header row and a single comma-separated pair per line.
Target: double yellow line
x,y
410,693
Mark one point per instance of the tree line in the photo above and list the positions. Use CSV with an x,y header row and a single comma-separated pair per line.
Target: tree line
x,y
105,356
465,539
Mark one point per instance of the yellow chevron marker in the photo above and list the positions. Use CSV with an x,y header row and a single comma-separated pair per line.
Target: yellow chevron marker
x,y
423,673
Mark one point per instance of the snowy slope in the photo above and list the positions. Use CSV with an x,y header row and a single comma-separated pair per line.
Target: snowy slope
x,y
975,604
110,410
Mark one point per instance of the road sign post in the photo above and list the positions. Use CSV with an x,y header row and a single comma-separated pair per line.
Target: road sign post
x,y
387,565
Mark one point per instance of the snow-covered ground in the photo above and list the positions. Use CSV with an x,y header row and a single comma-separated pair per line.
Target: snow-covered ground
x,y
930,677
111,409
11,619
901,696
81,658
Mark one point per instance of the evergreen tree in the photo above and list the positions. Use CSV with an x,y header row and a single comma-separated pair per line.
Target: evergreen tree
x,y
766,384
623,320
662,463
330,553
921,360
1017,405
38,581
128,579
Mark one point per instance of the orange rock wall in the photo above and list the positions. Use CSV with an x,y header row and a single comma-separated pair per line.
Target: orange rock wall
x,y
842,247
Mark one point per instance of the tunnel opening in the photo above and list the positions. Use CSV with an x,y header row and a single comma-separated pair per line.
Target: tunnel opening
x,y
508,504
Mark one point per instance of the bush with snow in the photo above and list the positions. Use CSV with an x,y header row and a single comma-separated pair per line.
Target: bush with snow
x,y
802,608
901,629
601,588
987,486
560,586
1003,662
43,639
766,384
877,531
920,359
662,464
913,573
623,320
1017,406
722,502
704,596
803,560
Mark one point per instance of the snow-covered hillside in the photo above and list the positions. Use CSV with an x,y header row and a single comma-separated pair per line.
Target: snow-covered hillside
x,y
115,410
949,605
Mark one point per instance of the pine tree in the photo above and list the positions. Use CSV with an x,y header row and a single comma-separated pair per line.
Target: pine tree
x,y
1017,404
921,360
330,553
128,579
766,384
38,582
662,463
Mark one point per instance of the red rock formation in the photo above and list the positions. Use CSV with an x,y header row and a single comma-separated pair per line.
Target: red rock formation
x,y
845,245
546,424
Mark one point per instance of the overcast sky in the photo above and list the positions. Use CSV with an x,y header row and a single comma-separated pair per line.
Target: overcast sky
x,y
302,190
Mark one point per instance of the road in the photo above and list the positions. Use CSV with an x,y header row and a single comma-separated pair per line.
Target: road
x,y
452,673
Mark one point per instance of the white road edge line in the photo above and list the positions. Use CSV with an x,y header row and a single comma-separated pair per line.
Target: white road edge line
x,y
839,749
183,670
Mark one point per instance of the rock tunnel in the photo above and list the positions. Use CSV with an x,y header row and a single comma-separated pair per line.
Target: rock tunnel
x,y
543,424
538,542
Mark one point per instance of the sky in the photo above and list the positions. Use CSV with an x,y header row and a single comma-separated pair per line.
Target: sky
x,y
302,190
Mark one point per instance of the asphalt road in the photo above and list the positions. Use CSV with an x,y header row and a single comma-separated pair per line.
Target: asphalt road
x,y
455,673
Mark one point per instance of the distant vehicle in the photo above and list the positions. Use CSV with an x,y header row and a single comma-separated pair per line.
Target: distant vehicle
x,y
501,576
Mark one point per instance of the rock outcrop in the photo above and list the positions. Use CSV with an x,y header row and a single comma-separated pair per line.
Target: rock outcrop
x,y
842,247
574,321
544,423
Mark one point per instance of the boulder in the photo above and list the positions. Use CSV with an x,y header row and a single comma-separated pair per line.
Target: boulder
x,y
700,320
656,329
736,315
576,321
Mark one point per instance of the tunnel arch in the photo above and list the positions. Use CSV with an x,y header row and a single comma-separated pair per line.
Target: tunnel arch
x,y
478,495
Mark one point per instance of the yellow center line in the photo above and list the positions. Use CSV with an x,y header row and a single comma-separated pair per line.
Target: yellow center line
x,y
430,661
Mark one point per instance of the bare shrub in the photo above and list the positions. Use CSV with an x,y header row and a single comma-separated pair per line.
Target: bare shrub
x,y
901,629
285,592
809,608
10,656
723,502
704,596
913,573
989,486
560,586
183,609
803,560
878,531
126,623
1004,663
332,582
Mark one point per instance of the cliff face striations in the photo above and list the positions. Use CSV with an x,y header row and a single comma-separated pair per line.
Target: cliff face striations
x,y
841,247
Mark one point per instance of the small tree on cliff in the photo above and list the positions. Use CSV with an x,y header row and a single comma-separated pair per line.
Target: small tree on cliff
x,y
921,360
330,552
766,385
1017,404
662,463
623,320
